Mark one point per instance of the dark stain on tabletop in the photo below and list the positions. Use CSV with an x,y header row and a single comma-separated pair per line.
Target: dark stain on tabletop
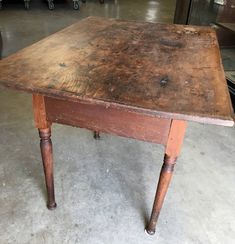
x,y
171,43
63,65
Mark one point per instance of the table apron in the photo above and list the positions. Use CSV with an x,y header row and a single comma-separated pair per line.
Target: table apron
x,y
112,120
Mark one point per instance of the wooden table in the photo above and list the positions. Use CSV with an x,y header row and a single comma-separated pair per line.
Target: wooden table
x,y
133,79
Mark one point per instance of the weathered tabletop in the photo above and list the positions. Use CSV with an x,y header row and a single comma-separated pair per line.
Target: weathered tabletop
x,y
172,71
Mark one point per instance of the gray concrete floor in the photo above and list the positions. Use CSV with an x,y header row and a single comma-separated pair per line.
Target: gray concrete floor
x,y
105,188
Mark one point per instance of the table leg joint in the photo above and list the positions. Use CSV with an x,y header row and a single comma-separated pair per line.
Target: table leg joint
x,y
169,164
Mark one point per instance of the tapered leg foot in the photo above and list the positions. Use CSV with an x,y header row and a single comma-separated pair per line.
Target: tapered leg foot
x,y
163,184
47,159
96,135
149,232
52,207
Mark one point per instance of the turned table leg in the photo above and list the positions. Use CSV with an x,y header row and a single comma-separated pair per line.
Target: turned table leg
x,y
47,159
175,140
44,128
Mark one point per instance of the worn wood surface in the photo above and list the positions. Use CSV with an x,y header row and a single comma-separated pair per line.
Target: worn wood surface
x,y
175,138
168,70
100,118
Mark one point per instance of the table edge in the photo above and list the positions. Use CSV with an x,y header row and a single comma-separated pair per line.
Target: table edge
x,y
63,95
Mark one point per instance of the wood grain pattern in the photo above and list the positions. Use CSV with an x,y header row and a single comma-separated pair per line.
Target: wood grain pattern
x,y
39,109
107,119
175,138
168,70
